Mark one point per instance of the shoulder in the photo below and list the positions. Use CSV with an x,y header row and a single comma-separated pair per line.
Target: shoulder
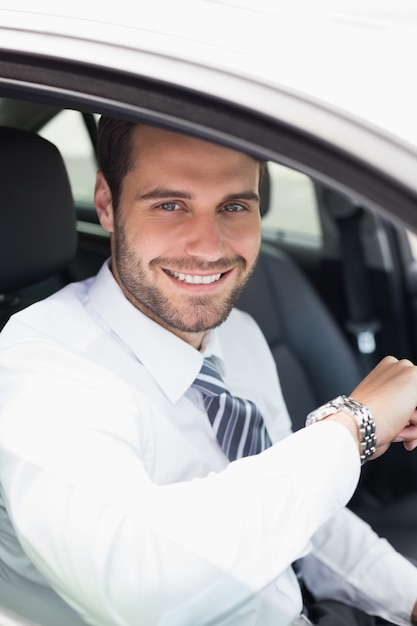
x,y
61,319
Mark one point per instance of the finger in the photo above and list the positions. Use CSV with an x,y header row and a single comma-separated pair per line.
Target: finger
x,y
413,418
410,445
409,433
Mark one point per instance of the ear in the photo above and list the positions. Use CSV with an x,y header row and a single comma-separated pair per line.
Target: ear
x,y
103,202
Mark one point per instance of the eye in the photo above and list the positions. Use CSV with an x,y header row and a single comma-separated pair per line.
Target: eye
x,y
169,206
233,207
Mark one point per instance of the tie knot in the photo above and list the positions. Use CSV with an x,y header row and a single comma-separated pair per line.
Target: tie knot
x,y
209,379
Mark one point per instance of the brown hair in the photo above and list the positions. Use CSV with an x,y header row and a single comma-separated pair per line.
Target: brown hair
x,y
115,153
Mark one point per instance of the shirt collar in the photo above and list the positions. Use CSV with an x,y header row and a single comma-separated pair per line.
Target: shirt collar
x,y
172,362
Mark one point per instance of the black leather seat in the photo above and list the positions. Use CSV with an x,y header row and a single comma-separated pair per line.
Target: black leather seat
x,y
37,218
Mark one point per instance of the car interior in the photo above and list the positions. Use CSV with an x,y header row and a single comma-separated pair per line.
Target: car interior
x,y
330,304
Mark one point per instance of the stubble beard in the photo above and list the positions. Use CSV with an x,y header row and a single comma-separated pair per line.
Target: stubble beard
x,y
190,314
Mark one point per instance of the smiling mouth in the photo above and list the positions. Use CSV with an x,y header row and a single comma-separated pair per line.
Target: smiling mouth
x,y
194,279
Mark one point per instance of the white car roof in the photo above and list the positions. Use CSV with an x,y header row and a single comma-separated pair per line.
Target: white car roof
x,y
344,71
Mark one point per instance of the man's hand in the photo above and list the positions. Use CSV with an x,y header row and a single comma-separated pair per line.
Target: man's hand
x,y
390,393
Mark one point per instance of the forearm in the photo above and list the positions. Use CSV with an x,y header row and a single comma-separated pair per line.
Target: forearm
x,y
120,539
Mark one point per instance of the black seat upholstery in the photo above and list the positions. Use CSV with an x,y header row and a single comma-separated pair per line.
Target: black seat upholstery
x,y
37,216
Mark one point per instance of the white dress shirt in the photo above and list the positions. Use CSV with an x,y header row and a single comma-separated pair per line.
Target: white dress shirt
x,y
114,485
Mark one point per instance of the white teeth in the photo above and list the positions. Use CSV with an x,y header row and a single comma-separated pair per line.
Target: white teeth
x,y
194,279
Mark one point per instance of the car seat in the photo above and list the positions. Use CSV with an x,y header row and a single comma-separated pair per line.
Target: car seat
x,y
37,219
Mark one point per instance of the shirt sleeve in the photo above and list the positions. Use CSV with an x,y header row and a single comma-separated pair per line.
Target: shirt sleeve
x,y
121,549
350,563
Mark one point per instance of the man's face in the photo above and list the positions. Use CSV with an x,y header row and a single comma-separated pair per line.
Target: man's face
x,y
186,233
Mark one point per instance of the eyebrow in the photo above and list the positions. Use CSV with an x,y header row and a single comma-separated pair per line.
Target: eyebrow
x,y
245,195
161,193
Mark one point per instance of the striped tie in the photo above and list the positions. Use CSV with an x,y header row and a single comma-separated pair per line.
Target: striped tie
x,y
238,424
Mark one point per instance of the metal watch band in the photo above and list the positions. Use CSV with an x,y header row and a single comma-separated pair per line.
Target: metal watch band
x,y
362,416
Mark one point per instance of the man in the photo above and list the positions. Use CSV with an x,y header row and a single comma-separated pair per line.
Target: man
x,y
118,492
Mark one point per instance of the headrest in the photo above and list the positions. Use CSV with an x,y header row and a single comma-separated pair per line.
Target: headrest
x,y
38,234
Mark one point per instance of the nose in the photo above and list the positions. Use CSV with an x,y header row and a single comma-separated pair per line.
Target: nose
x,y
205,238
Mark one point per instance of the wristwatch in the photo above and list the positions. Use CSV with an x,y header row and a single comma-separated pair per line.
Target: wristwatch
x,y
362,416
